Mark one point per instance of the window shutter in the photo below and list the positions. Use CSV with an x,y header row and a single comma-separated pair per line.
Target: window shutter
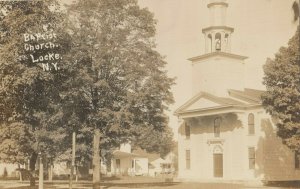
x,y
251,156
188,159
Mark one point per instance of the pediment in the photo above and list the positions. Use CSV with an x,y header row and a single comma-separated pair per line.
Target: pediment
x,y
202,103
206,101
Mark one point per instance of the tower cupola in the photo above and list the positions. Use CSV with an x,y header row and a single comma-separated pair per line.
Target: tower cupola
x,y
217,35
218,70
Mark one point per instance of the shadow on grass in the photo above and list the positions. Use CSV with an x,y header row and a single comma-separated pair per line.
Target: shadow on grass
x,y
146,185
285,184
138,185
103,185
107,179
175,185
46,186
26,187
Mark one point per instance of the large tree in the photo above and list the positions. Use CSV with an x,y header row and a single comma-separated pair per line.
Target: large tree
x,y
120,79
282,99
29,91
154,141
112,83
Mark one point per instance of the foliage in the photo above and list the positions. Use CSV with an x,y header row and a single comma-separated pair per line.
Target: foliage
x,y
282,99
118,79
155,141
111,80
29,95
296,10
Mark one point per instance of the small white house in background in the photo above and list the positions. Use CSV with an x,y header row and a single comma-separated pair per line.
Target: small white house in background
x,y
164,165
171,159
9,170
224,132
159,166
124,162
156,167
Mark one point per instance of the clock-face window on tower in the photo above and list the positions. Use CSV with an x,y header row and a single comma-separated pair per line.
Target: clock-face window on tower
x,y
218,42
217,127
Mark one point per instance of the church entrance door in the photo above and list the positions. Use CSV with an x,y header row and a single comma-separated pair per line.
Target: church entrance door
x,y
218,165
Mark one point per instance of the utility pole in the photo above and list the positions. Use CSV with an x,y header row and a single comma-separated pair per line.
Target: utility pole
x,y
73,159
41,172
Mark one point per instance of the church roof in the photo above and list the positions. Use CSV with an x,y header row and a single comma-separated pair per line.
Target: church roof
x,y
217,53
205,103
144,153
249,95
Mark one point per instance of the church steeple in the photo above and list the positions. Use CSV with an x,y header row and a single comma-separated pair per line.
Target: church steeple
x,y
217,35
218,69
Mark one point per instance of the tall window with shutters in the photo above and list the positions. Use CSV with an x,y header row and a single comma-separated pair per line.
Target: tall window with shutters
x,y
251,125
188,159
251,156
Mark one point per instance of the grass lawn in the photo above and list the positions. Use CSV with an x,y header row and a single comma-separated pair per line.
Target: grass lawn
x,y
142,183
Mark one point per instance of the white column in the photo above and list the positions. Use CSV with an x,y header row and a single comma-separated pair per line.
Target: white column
x,y
206,43
213,42
223,44
205,38
229,43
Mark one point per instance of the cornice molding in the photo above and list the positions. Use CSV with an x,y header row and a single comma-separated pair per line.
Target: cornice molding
x,y
217,3
229,55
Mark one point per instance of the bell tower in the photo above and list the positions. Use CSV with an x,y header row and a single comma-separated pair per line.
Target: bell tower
x,y
217,35
218,69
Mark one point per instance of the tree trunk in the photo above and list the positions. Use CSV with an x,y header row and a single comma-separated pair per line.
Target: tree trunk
x,y
32,163
96,159
20,173
50,172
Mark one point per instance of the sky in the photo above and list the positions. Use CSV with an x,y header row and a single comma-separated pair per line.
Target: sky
x,y
261,28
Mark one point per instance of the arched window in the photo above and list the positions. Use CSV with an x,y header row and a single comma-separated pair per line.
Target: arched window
x,y
251,126
209,42
217,125
187,131
218,42
226,41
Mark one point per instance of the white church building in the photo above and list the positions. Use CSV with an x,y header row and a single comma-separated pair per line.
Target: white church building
x,y
224,132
